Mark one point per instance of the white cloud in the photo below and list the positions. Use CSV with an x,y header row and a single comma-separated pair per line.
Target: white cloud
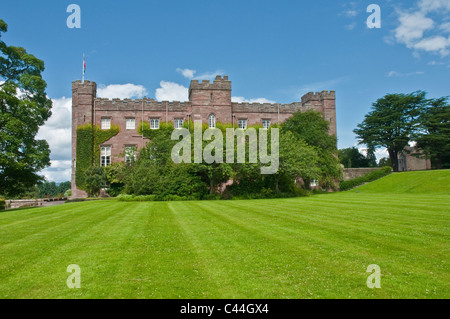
x,y
59,171
121,91
57,131
445,27
434,44
395,73
187,73
240,99
61,113
209,75
350,26
190,74
434,5
170,91
59,141
417,27
412,27
351,13
435,63
381,153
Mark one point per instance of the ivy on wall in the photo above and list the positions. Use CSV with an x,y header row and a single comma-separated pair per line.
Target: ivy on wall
x,y
89,139
144,127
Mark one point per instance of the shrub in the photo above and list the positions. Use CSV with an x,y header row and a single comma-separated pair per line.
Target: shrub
x,y
2,204
125,198
370,177
211,197
139,198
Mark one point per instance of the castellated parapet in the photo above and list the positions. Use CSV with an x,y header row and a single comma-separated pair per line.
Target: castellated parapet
x,y
206,99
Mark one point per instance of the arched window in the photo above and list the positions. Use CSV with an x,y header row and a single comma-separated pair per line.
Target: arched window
x,y
212,121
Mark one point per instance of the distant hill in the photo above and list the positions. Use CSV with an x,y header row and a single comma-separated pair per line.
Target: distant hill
x,y
418,182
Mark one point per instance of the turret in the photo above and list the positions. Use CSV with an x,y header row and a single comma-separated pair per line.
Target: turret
x,y
83,95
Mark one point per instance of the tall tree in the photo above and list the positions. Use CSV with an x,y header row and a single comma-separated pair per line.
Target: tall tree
x,y
297,159
392,121
311,127
24,107
434,134
351,158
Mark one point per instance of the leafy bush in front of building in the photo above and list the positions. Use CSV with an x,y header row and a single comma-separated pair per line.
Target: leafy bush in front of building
x,y
2,204
94,179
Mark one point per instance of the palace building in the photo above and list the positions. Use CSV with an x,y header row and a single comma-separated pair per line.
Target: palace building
x,y
208,102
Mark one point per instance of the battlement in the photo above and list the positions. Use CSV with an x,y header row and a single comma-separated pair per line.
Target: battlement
x,y
130,104
219,83
267,107
319,96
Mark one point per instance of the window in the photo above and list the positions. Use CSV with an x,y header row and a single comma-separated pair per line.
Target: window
x,y
178,123
130,154
212,121
154,124
105,156
130,124
106,124
266,124
242,124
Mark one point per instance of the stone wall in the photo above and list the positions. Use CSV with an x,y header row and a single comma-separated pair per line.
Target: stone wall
x,y
10,204
350,173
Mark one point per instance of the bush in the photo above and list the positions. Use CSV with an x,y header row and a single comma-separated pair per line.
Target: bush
x,y
211,197
139,198
2,204
346,185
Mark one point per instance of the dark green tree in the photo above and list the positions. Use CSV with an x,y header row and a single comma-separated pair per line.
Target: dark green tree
x,y
24,107
434,135
311,127
297,159
385,161
351,157
95,179
392,121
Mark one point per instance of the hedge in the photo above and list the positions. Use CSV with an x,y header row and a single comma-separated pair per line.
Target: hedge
x,y
370,177
151,198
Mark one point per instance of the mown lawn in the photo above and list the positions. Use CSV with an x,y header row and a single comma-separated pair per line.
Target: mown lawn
x,y
311,247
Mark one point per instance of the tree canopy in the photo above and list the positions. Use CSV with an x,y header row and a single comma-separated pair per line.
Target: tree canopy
x,y
433,136
24,106
351,157
311,127
392,122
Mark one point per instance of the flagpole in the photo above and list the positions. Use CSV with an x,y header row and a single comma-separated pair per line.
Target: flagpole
x,y
82,81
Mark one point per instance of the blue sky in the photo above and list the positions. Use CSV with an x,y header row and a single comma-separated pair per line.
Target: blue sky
x,y
271,51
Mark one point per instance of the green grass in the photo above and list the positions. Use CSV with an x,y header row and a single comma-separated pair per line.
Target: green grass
x,y
311,247
419,182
